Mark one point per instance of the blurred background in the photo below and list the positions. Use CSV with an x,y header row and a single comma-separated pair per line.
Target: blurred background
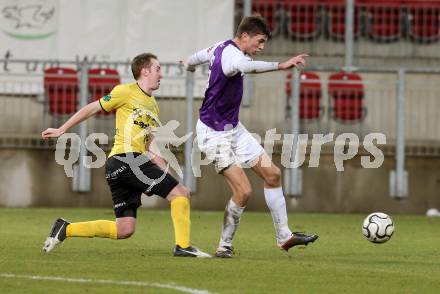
x,y
373,69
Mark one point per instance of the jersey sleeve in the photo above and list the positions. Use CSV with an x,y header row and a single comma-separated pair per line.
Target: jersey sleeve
x,y
234,61
202,56
199,57
114,100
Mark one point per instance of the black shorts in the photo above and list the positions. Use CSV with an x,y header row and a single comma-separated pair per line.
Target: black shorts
x,y
128,180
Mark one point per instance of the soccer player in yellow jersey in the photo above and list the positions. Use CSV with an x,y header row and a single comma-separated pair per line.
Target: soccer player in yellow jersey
x,y
133,166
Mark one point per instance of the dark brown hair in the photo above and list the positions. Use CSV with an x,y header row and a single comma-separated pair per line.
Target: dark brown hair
x,y
253,25
141,61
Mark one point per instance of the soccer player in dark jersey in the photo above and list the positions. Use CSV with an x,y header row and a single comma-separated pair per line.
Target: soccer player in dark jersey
x,y
133,166
227,143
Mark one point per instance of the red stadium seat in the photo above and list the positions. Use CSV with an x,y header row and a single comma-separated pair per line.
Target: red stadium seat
x,y
303,18
269,9
310,95
423,20
101,83
383,19
335,19
61,90
346,93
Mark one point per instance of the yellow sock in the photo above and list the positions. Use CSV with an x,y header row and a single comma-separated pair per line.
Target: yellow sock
x,y
98,228
180,211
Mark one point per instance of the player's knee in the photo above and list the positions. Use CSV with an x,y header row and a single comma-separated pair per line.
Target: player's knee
x,y
247,193
244,193
186,192
180,190
125,231
241,196
273,179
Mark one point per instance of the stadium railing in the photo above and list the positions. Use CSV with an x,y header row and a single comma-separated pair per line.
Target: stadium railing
x,y
26,108
402,104
36,94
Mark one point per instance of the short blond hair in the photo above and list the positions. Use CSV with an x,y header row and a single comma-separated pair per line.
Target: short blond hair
x,y
141,61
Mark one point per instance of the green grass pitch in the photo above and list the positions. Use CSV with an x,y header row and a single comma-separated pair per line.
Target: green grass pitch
x,y
340,261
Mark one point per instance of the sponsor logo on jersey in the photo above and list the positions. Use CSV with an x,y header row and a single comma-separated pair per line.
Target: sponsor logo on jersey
x,y
141,124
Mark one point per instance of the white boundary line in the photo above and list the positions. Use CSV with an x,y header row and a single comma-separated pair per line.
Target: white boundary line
x,y
109,282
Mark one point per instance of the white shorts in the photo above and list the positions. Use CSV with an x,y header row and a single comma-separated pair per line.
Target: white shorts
x,y
225,148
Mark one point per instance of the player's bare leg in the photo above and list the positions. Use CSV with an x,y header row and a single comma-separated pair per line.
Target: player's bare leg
x,y
274,196
241,191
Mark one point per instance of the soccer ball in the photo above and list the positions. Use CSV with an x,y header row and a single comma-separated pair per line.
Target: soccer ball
x,y
378,227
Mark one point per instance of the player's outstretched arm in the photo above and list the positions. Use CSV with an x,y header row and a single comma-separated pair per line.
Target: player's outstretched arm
x,y
250,66
82,114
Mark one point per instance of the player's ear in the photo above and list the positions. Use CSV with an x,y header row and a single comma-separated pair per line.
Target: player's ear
x,y
244,35
145,71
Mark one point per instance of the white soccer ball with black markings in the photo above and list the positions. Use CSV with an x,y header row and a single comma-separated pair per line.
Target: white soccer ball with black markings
x,y
378,227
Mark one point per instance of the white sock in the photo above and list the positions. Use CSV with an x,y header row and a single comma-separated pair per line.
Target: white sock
x,y
277,205
230,223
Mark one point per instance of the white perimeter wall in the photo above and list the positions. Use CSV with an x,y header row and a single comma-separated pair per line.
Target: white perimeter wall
x,y
113,30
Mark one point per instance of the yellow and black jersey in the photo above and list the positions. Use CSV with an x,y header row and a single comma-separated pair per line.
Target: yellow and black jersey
x,y
137,115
